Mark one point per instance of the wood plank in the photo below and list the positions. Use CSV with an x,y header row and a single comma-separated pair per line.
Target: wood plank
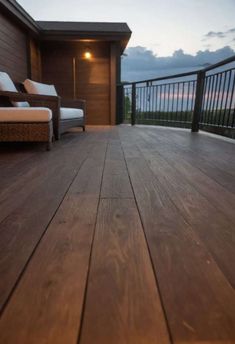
x,y
11,156
116,182
122,303
209,163
49,297
205,218
219,196
214,228
35,58
13,62
46,307
31,172
198,300
92,77
28,217
189,251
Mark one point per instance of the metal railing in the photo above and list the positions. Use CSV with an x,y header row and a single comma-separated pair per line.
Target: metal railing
x,y
219,99
201,99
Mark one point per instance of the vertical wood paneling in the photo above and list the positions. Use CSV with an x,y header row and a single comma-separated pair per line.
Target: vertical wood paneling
x,y
13,49
35,58
57,67
92,76
113,81
94,82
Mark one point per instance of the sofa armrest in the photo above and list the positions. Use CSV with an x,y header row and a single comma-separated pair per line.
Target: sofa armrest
x,y
37,100
74,103
18,97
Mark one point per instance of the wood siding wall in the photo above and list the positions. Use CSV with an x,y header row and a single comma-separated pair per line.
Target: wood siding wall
x,y
35,58
62,63
13,49
94,82
57,67
92,77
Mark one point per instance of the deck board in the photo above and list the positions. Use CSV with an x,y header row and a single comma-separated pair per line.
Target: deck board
x,y
118,235
28,211
122,303
208,164
116,182
59,267
199,211
189,279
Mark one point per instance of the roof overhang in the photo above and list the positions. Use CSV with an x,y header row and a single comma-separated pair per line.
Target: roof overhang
x,y
80,31
14,10
68,31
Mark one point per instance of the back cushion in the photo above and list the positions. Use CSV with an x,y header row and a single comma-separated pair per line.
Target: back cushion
x,y
6,84
34,87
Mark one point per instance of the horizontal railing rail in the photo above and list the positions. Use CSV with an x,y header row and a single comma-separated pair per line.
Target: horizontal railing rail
x,y
199,99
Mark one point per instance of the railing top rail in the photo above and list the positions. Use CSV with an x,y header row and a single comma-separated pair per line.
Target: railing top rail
x,y
175,76
220,64
162,78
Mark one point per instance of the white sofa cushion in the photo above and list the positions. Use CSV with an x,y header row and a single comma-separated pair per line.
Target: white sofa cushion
x,y
25,115
34,87
6,84
70,113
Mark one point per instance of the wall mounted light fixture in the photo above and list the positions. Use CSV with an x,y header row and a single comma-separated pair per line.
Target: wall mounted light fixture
x,y
87,54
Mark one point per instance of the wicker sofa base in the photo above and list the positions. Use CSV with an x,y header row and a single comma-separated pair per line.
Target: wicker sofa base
x,y
27,132
71,123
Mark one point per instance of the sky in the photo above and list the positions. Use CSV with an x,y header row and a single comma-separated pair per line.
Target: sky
x,y
160,28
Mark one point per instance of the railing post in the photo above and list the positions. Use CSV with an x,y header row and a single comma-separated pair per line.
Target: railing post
x,y
198,101
133,104
120,104
123,103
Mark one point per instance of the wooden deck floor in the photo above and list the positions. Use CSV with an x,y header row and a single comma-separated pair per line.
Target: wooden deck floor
x,y
121,235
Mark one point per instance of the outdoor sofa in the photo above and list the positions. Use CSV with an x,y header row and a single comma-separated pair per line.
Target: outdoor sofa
x,y
67,114
37,115
21,122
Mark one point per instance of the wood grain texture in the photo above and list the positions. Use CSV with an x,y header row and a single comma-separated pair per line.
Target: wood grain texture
x,y
114,80
116,183
199,212
13,47
51,312
122,303
93,82
35,60
161,266
212,164
28,215
57,67
221,197
92,76
190,281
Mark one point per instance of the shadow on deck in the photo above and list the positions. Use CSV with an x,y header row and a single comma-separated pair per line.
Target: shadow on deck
x,y
118,235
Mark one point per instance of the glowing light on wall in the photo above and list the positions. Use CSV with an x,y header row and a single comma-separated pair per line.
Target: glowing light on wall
x,y
87,54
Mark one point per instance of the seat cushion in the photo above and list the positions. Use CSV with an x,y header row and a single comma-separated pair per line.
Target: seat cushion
x,y
6,84
70,113
22,115
34,87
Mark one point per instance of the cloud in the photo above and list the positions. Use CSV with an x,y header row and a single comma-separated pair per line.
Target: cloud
x,y
218,34
141,63
207,46
213,34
